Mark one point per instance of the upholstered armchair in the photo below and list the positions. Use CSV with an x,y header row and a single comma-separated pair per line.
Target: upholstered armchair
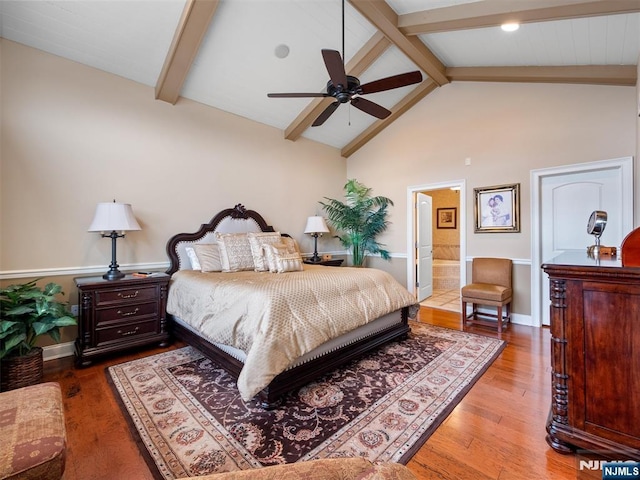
x,y
490,286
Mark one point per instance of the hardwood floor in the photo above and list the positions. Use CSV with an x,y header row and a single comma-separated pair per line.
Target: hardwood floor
x,y
496,432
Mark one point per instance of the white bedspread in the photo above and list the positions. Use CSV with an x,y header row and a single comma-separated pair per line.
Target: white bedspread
x,y
276,318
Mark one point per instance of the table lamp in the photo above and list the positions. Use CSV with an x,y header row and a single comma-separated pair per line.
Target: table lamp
x,y
316,226
113,217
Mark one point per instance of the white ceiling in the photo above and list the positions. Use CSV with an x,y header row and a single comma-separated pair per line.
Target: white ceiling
x,y
236,65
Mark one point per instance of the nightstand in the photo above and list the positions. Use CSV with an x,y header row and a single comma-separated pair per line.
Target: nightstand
x,y
329,263
118,314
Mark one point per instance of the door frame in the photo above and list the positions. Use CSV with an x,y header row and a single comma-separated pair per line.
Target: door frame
x,y
411,228
624,163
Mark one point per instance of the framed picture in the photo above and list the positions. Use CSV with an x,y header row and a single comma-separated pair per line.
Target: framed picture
x,y
446,217
497,209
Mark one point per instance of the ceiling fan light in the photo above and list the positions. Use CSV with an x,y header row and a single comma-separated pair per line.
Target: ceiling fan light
x,y
510,27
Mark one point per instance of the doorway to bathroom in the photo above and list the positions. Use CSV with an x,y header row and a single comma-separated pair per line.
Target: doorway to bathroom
x,y
437,267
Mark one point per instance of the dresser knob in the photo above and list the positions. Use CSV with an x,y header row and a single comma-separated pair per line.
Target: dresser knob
x,y
128,314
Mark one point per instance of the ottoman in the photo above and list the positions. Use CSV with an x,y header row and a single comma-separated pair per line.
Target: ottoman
x,y
32,433
351,468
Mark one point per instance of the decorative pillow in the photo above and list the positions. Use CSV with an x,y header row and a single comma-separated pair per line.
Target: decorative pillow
x,y
207,257
280,259
193,258
291,244
256,241
235,252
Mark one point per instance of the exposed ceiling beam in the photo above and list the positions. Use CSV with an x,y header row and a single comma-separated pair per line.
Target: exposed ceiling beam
x,y
623,75
491,13
362,60
193,25
417,94
385,19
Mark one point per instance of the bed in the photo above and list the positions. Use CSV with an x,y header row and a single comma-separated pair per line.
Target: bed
x,y
270,339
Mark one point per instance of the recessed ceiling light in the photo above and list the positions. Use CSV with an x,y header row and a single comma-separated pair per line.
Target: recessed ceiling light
x,y
510,27
282,51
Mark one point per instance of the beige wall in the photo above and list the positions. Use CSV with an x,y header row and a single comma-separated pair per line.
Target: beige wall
x,y
506,130
74,136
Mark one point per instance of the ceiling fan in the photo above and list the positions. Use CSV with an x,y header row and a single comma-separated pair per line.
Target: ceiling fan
x,y
347,88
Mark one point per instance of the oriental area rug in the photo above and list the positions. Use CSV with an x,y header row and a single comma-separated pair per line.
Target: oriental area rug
x,y
190,419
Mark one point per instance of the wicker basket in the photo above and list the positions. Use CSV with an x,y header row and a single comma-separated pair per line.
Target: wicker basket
x,y
16,372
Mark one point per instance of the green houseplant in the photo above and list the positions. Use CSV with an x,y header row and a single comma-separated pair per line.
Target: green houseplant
x,y
359,220
27,312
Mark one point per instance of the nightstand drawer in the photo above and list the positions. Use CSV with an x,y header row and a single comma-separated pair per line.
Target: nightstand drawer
x,y
129,313
127,295
125,332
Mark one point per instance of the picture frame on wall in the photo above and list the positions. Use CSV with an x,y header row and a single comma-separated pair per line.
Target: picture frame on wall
x,y
497,209
447,217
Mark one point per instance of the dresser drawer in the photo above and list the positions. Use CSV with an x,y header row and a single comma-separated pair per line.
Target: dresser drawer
x,y
132,294
129,331
128,313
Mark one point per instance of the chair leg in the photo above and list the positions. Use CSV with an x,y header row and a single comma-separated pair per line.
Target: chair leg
x,y
500,319
464,314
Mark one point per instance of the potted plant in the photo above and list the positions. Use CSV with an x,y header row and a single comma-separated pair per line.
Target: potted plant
x,y
26,313
359,220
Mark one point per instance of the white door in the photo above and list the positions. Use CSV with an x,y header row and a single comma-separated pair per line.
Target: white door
x,y
567,201
424,274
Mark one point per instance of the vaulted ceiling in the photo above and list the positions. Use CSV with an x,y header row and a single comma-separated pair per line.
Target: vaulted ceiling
x,y
230,53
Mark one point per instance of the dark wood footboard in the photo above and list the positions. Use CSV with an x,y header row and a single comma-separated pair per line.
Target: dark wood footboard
x,y
303,374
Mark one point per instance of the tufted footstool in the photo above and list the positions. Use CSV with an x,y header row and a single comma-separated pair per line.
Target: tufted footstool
x,y
32,433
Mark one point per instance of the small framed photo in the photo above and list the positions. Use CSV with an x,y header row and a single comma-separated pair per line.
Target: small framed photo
x,y
446,217
497,209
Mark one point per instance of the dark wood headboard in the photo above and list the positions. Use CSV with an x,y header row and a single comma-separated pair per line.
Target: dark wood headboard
x,y
239,212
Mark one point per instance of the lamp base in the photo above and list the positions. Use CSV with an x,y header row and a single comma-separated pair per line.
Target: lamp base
x,y
113,275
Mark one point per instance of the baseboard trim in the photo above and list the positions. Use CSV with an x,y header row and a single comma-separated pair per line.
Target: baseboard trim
x,y
60,350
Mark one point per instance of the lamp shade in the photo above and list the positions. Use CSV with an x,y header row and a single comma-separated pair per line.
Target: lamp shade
x,y
316,224
113,217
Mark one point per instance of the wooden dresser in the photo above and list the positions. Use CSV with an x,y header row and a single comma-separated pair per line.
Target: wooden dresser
x,y
120,314
595,356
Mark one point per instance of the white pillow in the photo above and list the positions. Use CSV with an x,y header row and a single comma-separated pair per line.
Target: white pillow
x,y
256,241
281,259
235,252
208,257
193,258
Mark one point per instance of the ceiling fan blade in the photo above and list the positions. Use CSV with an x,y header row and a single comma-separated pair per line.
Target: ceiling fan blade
x,y
371,108
296,95
388,83
335,67
325,114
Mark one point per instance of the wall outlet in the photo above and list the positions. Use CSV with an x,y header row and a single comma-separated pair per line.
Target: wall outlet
x,y
74,310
